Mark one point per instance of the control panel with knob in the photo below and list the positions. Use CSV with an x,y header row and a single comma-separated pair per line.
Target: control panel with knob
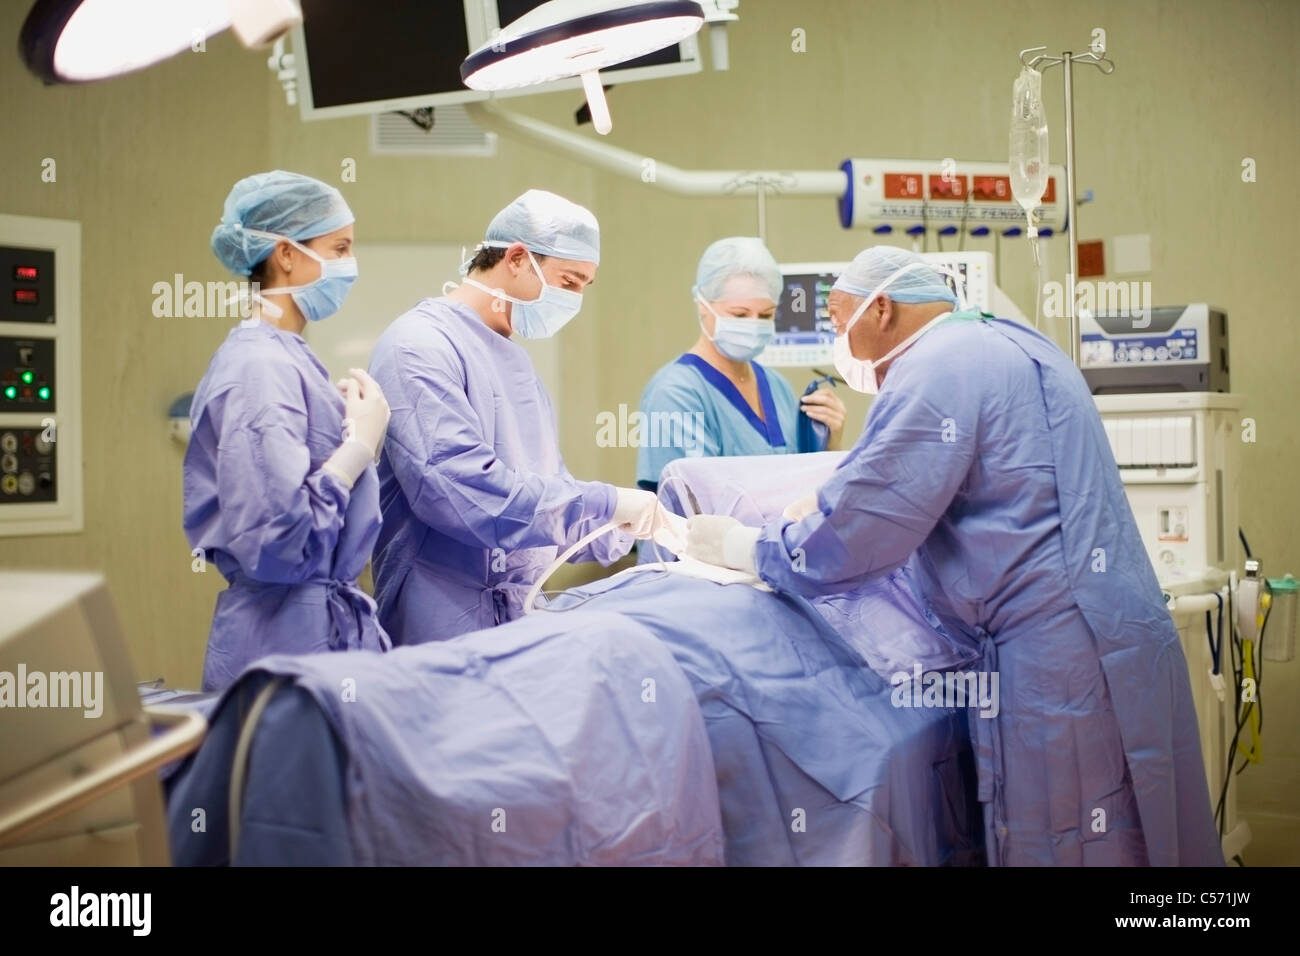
x,y
28,465
40,377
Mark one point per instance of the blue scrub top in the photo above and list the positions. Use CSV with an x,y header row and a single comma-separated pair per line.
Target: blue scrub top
x,y
985,469
720,420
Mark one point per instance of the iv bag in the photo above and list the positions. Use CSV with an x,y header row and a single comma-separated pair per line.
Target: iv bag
x,y
1028,143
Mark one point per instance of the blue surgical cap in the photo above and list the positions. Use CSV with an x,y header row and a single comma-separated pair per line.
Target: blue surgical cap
x,y
873,266
740,257
286,204
548,225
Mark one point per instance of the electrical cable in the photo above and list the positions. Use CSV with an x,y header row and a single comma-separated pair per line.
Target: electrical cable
x,y
656,525
239,765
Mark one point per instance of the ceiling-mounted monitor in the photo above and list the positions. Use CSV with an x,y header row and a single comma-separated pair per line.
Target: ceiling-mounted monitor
x,y
357,59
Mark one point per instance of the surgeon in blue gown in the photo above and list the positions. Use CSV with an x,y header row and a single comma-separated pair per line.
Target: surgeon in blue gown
x,y
280,485
984,467
476,499
716,399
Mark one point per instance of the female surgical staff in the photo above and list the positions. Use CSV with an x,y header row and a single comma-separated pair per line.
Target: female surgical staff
x,y
725,402
280,484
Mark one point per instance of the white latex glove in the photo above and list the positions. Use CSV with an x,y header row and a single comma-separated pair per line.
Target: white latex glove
x,y
635,511
722,540
801,508
670,531
366,420
349,462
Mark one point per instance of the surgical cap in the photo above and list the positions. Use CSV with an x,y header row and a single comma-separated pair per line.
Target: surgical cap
x,y
548,225
738,258
873,266
286,204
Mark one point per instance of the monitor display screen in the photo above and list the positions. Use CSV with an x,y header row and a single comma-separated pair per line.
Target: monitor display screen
x,y
802,314
383,55
382,49
804,333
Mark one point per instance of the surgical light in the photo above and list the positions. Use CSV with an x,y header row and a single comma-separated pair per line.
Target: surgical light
x,y
565,38
78,41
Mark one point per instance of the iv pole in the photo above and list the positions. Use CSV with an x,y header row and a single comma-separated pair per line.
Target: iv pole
x,y
1067,60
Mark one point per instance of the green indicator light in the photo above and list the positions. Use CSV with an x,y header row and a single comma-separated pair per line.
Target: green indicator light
x,y
11,392
28,377
44,393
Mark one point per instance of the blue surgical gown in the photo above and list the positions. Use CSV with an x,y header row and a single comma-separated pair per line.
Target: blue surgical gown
x,y
475,496
984,465
289,538
727,425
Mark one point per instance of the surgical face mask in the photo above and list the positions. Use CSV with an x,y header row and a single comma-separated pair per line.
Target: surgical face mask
x,y
860,374
320,298
739,339
542,317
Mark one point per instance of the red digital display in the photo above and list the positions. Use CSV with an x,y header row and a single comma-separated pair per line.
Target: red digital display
x,y
953,187
25,296
27,273
992,188
902,185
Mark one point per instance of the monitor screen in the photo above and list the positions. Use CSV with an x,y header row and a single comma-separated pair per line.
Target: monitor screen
x,y
386,55
382,49
804,333
976,270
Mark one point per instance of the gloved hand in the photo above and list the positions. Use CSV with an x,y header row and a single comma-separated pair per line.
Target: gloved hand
x,y
366,419
800,508
722,540
349,462
670,531
635,511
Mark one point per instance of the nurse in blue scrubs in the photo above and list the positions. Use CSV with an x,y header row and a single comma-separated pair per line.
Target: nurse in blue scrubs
x,y
281,492
731,404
